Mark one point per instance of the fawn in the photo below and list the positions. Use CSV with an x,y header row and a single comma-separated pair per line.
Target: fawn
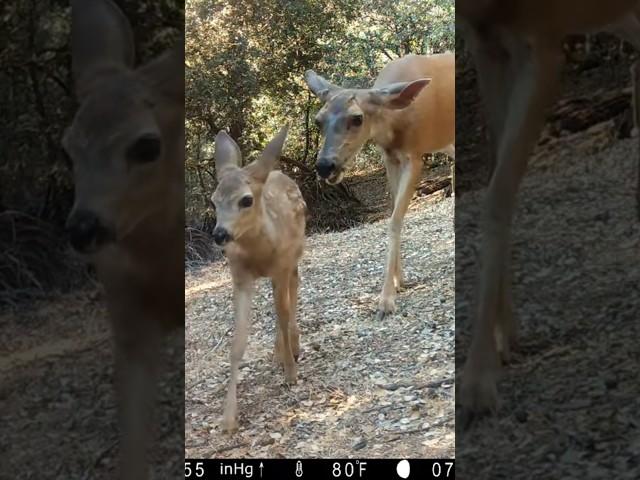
x,y
260,225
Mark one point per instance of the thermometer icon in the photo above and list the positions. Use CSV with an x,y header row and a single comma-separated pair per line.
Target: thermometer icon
x,y
298,469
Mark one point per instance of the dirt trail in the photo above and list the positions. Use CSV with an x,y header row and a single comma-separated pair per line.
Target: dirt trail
x,y
57,407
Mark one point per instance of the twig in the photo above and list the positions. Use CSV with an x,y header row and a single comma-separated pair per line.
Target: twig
x,y
434,384
227,448
224,335
419,430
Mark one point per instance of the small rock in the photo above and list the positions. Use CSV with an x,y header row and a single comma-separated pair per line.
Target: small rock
x,y
359,443
276,436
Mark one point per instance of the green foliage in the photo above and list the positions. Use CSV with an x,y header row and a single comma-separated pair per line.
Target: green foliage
x,y
245,63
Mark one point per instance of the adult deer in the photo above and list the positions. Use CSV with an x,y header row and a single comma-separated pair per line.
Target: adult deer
x,y
408,112
260,223
127,146
517,49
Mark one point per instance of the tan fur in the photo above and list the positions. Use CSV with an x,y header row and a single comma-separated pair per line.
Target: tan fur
x,y
404,126
143,269
268,241
517,48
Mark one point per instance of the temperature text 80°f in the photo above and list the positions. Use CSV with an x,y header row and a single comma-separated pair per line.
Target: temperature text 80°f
x,y
348,469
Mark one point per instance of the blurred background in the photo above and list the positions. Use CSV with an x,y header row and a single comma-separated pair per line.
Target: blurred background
x,y
36,94
58,412
570,395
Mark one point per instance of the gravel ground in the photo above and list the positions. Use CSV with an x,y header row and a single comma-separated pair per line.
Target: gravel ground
x,y
569,400
366,388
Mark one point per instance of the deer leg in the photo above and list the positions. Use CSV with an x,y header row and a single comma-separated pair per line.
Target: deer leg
x,y
492,62
392,165
136,360
242,296
281,294
406,188
535,87
278,355
294,330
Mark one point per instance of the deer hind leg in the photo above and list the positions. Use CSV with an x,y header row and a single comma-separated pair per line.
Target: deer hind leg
x,y
409,172
279,351
535,87
242,296
284,351
294,330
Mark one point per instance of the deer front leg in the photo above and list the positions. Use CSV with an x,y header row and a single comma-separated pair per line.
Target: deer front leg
x,y
409,172
242,296
534,90
284,352
392,166
137,352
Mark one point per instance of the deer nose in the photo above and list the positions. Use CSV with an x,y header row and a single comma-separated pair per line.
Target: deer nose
x,y
221,236
86,232
325,166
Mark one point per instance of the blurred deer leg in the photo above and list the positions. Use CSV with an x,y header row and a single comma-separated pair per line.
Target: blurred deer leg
x,y
535,87
136,355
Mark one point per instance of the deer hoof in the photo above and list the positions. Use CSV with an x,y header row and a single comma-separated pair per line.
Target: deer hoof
x,y
291,374
479,398
229,424
387,307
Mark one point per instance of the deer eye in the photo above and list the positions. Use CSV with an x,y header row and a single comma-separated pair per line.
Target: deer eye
x,y
356,120
246,201
145,149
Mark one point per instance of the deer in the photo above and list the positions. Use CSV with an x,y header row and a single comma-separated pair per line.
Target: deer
x,y
260,225
126,144
517,50
408,112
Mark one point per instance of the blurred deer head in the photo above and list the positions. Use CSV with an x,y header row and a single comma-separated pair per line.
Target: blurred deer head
x,y
126,135
238,197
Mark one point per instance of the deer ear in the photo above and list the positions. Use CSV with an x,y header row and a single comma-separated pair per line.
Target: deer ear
x,y
268,160
227,154
398,95
165,74
320,86
101,37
